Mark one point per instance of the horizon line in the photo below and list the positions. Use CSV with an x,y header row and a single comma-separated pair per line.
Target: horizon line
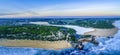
x,y
64,17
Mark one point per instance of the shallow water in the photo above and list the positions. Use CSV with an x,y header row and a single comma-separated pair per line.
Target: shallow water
x,y
107,46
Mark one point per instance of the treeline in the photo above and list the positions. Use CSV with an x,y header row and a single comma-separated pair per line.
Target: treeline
x,y
95,23
90,22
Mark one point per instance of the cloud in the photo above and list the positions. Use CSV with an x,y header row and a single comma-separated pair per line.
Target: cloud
x,y
4,14
25,14
79,10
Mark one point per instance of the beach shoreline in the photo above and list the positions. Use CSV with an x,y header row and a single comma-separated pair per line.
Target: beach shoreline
x,y
36,44
103,32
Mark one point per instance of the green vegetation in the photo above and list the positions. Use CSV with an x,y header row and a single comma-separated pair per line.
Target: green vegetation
x,y
73,39
95,24
34,32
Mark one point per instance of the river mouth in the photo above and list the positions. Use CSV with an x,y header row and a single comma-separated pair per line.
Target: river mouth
x,y
107,46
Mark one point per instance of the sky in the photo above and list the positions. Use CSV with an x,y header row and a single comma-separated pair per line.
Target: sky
x,y
33,8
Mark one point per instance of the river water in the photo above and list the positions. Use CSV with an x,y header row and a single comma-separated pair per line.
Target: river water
x,y
78,29
107,46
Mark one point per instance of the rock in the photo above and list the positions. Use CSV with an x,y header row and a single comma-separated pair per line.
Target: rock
x,y
79,46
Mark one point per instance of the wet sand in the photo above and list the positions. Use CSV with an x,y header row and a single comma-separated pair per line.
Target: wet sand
x,y
36,44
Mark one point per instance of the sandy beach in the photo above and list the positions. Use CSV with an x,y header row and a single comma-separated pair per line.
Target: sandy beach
x,y
35,44
102,32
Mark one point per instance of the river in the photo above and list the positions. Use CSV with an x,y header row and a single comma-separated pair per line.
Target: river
x,y
78,29
83,30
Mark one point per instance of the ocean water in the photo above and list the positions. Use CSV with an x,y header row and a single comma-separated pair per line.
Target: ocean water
x,y
33,51
107,46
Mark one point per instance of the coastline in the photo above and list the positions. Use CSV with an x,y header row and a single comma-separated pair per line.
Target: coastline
x,y
59,44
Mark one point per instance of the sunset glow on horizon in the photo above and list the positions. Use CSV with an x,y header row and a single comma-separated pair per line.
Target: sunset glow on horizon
x,y
26,8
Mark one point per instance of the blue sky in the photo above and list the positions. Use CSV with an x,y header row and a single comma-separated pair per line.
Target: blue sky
x,y
27,8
